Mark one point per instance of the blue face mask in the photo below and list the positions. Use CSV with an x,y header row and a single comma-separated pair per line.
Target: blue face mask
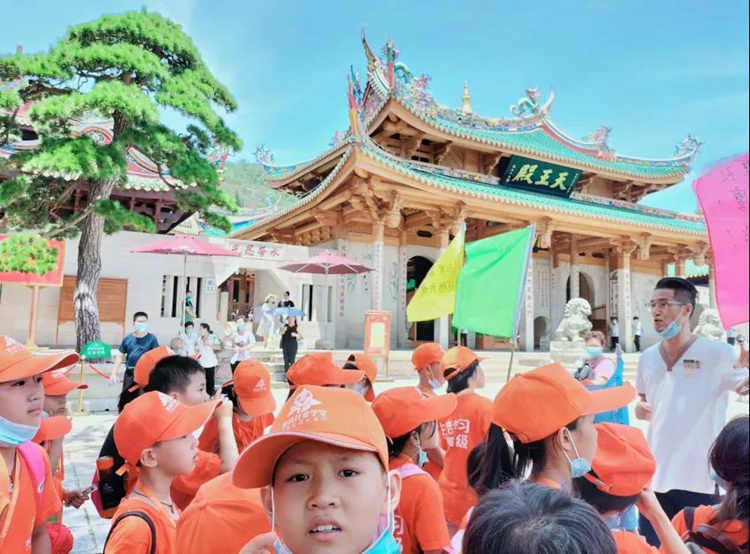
x,y
578,466
14,434
385,544
671,331
594,352
240,326
141,326
422,458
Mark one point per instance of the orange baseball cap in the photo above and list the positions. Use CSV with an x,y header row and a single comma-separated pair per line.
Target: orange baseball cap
x,y
146,364
403,409
57,384
336,416
252,384
52,428
17,361
426,354
457,358
221,518
363,362
557,399
623,464
154,417
319,369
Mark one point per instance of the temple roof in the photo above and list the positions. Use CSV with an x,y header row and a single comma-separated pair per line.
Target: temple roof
x,y
487,187
529,130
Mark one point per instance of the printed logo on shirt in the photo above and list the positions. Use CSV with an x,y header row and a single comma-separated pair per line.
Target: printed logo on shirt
x,y
691,367
303,411
168,402
456,433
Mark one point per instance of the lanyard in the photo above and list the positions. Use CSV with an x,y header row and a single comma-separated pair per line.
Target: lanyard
x,y
9,508
145,491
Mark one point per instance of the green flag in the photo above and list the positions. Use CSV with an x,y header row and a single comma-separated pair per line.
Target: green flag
x,y
490,286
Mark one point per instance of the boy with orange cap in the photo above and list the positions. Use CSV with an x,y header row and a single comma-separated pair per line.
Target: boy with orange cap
x,y
221,518
250,392
320,370
27,491
409,419
364,363
57,386
324,464
426,360
154,434
462,430
622,470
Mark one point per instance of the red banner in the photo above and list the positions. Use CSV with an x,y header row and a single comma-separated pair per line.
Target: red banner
x,y
52,278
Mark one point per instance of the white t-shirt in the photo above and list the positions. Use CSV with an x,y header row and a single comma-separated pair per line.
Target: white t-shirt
x,y
208,355
637,327
614,329
245,339
689,409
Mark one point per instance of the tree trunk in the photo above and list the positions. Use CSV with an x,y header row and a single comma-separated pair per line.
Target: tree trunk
x,y
85,303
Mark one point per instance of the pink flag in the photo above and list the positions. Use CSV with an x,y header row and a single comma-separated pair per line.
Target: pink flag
x,y
724,194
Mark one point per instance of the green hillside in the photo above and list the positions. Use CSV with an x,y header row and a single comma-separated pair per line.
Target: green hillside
x,y
246,182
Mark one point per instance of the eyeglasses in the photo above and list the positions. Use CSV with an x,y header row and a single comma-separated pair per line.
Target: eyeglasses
x,y
662,304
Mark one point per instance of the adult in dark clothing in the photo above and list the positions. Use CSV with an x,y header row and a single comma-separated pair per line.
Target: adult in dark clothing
x,y
133,346
286,302
289,336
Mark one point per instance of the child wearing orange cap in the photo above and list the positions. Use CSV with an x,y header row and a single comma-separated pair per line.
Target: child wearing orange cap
x,y
183,378
409,419
57,386
324,464
548,416
364,363
250,393
154,434
320,370
426,360
724,525
622,470
27,491
221,518
462,430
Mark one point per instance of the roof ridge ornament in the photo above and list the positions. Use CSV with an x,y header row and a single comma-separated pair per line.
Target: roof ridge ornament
x,y
263,155
529,105
466,99
688,147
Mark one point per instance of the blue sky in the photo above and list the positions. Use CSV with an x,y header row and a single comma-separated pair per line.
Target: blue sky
x,y
652,71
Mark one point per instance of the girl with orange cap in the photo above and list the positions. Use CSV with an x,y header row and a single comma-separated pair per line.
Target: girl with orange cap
x,y
461,431
364,363
426,359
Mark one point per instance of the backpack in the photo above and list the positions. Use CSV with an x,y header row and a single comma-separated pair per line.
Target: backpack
x,y
410,470
117,487
706,536
140,515
34,460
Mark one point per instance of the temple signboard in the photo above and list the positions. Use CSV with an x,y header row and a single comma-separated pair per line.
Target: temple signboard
x,y
541,177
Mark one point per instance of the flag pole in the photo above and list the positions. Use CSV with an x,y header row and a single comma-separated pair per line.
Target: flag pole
x,y
510,364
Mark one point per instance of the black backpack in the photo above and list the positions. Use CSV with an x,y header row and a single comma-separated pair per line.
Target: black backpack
x,y
110,490
705,536
140,515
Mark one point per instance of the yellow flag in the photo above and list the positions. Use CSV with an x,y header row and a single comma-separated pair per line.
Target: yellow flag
x,y
436,296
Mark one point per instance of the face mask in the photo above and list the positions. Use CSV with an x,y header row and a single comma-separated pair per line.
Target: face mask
x,y
612,520
359,388
594,351
240,326
14,434
579,466
141,326
671,331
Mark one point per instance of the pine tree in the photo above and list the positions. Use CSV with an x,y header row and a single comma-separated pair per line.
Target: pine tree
x,y
126,68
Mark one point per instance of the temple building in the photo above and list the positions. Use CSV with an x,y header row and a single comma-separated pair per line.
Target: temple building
x,y
393,190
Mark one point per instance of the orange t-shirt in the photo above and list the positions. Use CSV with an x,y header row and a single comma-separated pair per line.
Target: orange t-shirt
x,y
133,535
419,518
184,487
628,542
221,518
245,432
24,515
460,432
736,530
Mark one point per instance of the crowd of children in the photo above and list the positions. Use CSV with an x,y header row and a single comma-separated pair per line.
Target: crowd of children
x,y
340,469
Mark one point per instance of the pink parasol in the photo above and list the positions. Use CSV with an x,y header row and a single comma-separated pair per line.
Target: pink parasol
x,y
186,246
327,263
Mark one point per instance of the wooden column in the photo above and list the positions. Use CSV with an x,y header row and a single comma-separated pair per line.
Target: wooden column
x,y
378,234
443,330
625,308
402,326
679,267
575,290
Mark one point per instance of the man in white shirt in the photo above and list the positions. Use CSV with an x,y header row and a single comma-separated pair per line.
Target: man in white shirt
x,y
683,383
637,332
614,333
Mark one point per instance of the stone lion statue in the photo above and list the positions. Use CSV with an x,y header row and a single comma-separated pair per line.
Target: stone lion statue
x,y
575,321
709,325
